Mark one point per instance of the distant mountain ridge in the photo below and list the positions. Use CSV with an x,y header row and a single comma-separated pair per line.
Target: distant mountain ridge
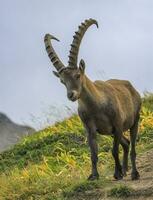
x,y
10,132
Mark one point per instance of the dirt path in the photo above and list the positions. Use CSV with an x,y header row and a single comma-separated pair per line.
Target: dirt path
x,y
141,189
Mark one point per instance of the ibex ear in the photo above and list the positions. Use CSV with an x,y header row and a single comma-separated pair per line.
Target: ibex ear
x,y
56,73
82,65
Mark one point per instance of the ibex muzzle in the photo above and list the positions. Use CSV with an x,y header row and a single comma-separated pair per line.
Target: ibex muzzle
x,y
105,107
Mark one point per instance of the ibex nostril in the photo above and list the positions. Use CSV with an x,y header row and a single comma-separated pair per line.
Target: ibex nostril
x,y
70,95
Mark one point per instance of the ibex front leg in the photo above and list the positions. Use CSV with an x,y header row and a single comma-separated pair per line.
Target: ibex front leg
x,y
94,154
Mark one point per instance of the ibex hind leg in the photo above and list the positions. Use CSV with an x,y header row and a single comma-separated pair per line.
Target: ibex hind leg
x,y
125,145
118,174
133,135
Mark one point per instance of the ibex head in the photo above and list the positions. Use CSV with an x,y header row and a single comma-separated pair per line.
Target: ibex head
x,y
72,75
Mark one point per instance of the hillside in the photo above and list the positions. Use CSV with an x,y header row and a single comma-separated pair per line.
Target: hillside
x,y
54,164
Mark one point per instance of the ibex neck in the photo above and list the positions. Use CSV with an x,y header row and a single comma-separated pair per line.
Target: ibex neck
x,y
89,94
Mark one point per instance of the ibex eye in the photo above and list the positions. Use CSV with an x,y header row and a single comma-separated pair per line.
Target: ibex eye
x,y
77,76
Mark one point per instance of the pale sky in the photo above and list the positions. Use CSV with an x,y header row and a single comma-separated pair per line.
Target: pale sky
x,y
121,48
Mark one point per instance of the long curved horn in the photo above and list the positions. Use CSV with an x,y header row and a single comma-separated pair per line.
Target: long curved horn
x,y
73,56
51,52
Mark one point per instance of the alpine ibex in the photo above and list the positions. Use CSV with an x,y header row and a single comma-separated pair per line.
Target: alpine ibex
x,y
106,107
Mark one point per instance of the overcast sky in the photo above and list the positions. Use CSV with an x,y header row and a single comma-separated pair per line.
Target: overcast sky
x,y
121,48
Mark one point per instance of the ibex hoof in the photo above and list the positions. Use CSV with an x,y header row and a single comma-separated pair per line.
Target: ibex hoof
x,y
135,175
118,175
93,177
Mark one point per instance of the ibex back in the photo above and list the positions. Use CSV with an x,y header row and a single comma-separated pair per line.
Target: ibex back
x,y
105,107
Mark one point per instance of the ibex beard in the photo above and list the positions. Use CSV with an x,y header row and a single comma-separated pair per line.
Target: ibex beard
x,y
105,107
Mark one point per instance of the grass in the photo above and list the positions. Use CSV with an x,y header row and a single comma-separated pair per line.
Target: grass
x,y
121,191
55,162
82,188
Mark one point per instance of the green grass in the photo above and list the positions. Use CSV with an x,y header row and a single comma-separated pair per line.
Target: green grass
x,y
54,163
82,188
121,191
47,163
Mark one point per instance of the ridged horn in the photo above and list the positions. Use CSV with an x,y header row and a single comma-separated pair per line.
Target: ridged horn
x,y
77,38
51,52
